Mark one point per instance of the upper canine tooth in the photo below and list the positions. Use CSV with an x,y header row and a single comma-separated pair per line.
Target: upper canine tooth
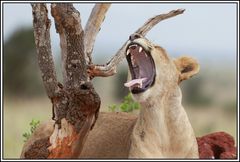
x,y
140,49
128,51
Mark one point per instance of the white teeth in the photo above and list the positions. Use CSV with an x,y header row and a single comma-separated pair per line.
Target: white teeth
x,y
146,55
140,49
128,51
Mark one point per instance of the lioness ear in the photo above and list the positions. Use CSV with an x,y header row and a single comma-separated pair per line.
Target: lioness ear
x,y
187,67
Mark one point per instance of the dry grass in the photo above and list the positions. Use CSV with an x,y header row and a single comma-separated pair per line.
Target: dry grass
x,y
19,112
212,119
17,115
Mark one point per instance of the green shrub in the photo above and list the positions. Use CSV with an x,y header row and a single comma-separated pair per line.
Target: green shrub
x,y
128,105
33,125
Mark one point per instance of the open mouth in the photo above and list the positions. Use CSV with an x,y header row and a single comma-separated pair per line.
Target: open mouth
x,y
142,68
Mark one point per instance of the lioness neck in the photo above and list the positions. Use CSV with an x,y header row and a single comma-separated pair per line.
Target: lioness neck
x,y
163,129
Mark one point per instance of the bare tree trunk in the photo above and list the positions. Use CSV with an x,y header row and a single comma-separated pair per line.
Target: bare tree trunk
x,y
75,103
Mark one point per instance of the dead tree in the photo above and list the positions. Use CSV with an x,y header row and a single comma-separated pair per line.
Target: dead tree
x,y
75,103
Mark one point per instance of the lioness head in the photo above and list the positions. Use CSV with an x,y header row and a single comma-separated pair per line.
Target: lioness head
x,y
152,71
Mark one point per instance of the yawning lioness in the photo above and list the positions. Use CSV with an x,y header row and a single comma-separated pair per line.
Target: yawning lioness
x,y
162,128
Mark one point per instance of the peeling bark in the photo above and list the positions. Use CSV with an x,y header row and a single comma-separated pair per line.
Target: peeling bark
x,y
83,101
75,103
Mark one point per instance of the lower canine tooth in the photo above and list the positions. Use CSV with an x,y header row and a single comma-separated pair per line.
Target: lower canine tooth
x,y
140,49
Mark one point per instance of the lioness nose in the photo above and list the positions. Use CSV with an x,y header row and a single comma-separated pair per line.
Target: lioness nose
x,y
134,36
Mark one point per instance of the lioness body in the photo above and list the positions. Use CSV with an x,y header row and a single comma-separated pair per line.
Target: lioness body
x,y
109,138
162,128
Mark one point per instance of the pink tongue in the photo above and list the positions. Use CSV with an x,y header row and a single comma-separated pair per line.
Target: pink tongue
x,y
134,81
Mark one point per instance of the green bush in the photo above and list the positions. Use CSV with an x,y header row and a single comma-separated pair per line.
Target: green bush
x,y
128,105
33,125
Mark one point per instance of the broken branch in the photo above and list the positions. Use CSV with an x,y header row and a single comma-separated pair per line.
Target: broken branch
x,y
93,27
155,20
110,68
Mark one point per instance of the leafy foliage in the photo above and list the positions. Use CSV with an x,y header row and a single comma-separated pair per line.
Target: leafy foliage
x,y
33,125
128,105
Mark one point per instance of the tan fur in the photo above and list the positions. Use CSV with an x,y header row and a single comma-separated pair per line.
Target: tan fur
x,y
168,132
187,66
162,128
110,137
44,130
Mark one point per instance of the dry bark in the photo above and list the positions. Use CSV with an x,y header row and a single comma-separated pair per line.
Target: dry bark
x,y
75,103
93,27
41,25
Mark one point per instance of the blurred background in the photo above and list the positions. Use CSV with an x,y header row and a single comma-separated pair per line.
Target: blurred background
x,y
206,32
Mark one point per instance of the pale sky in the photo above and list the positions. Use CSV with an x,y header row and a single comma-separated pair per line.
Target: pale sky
x,y
203,31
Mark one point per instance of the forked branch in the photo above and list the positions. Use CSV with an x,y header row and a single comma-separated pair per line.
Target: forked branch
x,y
75,104
110,68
